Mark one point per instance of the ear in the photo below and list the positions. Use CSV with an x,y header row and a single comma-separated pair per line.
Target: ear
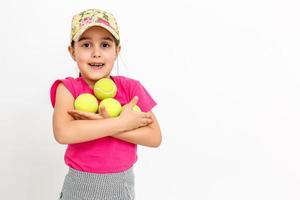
x,y
72,52
118,49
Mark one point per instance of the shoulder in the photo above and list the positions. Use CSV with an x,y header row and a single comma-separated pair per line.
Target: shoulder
x,y
66,86
126,82
124,79
65,81
62,92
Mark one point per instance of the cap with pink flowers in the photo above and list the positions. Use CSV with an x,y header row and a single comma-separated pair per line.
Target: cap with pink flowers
x,y
93,17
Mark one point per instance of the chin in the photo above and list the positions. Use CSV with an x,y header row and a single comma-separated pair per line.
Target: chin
x,y
96,78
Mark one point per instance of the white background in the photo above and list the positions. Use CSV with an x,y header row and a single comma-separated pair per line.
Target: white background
x,y
225,75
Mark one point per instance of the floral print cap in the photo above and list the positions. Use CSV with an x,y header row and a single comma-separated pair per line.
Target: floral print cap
x,y
93,17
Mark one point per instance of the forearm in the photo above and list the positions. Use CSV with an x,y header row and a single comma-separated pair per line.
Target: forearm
x,y
78,131
146,136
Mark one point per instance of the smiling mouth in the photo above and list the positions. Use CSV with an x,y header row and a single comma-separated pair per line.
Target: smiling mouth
x,y
96,65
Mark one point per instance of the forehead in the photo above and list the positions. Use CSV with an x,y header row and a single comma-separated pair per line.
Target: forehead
x,y
96,32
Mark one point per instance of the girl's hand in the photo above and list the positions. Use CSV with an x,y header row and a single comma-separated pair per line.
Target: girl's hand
x,y
133,119
81,115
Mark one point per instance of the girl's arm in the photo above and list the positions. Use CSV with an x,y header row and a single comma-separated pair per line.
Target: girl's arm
x,y
147,136
68,131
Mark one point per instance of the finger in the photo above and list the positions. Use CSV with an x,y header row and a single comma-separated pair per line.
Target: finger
x,y
84,115
147,115
73,111
78,117
80,112
134,101
144,123
104,112
76,113
147,121
72,114
88,115
92,117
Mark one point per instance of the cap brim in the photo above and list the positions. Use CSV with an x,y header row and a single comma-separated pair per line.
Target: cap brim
x,y
83,29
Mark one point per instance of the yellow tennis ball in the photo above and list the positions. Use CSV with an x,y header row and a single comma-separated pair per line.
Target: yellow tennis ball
x,y
86,102
134,108
112,106
105,88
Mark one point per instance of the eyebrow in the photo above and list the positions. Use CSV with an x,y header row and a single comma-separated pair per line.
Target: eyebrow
x,y
104,38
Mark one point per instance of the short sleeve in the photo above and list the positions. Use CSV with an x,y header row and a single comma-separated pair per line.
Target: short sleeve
x,y
145,102
68,83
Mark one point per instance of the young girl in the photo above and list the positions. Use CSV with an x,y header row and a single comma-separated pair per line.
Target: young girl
x,y
101,151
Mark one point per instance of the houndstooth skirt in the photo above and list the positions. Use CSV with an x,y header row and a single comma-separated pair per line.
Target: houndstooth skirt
x,y
80,185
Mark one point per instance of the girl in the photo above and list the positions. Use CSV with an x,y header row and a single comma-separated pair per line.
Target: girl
x,y
101,151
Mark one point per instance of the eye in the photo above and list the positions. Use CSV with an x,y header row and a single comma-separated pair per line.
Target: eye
x,y
105,45
86,45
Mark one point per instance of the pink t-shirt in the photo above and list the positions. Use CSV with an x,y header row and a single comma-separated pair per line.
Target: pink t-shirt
x,y
107,154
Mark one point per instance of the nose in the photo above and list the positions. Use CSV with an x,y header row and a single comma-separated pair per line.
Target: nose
x,y
96,53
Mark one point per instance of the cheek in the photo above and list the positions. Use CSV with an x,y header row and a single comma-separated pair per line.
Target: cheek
x,y
82,56
110,57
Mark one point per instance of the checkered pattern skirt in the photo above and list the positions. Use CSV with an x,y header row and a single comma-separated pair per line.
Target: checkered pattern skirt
x,y
91,186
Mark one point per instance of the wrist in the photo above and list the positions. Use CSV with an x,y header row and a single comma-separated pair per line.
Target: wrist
x,y
122,125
